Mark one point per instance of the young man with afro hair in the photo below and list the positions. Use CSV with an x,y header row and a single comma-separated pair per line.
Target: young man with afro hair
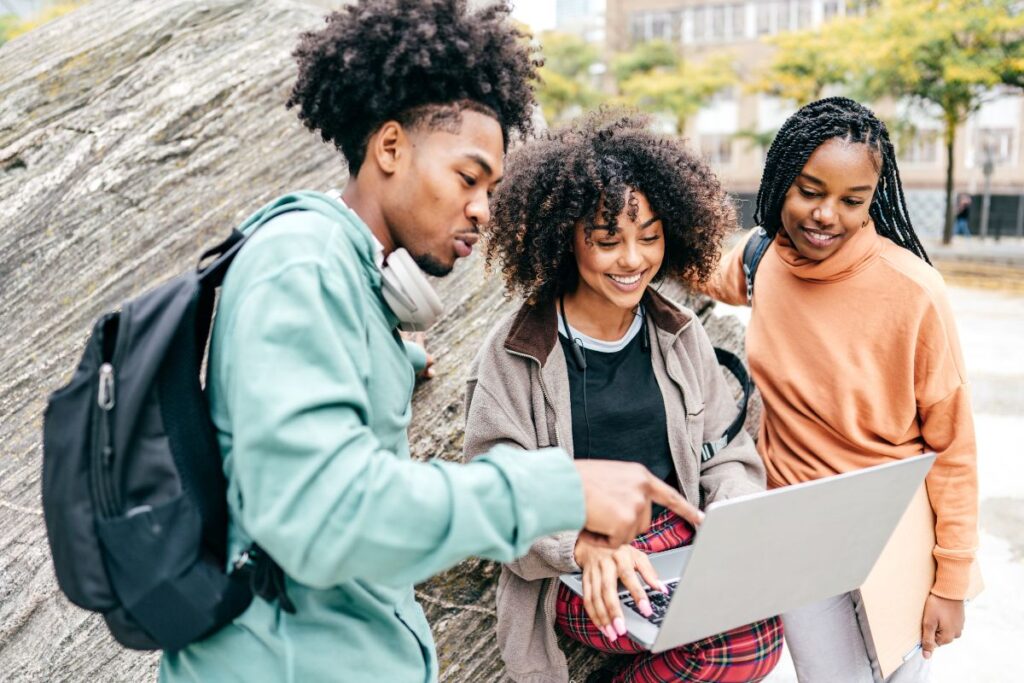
x,y
310,385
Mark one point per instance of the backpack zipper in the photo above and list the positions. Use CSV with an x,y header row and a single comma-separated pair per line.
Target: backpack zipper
x,y
103,455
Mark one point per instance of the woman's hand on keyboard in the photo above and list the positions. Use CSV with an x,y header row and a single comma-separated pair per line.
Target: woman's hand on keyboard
x,y
603,568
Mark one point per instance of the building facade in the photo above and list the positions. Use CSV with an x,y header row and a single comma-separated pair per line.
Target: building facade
x,y
585,18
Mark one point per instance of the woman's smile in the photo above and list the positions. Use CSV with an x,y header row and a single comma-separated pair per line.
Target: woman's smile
x,y
819,238
627,283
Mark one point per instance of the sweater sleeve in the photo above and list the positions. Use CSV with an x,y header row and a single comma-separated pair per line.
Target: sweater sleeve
x,y
492,404
728,283
947,428
320,492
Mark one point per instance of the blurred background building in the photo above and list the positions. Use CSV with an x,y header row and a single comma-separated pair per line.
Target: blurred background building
x,y
734,125
709,70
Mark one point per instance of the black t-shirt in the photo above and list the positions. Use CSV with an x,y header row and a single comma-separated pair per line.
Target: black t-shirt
x,y
624,408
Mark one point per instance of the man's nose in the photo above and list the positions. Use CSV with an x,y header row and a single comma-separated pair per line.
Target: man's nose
x,y
478,211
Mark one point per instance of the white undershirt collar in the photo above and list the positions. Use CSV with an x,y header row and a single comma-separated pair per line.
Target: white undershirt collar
x,y
599,345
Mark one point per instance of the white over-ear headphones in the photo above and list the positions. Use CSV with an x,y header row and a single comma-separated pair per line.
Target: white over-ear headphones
x,y
406,289
408,292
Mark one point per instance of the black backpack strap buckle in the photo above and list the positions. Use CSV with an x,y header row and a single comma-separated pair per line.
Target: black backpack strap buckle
x,y
266,578
733,364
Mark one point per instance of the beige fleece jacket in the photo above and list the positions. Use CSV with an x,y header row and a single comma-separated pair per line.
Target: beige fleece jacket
x,y
518,394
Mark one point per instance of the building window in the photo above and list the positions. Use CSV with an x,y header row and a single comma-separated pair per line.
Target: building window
x,y
700,24
804,16
830,9
765,18
738,15
717,149
717,22
784,16
998,142
637,28
661,26
921,148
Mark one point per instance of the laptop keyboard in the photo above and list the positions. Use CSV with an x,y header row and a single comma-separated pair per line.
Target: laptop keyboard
x,y
659,602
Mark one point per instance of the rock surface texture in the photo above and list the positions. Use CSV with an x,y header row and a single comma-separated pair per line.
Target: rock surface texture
x,y
133,135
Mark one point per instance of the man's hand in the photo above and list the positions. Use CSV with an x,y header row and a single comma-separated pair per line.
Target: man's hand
x,y
602,570
618,497
942,623
421,338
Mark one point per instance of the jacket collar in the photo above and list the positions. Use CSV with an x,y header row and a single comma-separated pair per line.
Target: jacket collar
x,y
534,331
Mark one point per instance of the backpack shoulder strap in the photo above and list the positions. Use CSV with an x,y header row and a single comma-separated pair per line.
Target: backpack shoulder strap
x,y
753,252
212,274
733,364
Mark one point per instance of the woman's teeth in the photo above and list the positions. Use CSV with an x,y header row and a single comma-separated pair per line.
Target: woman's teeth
x,y
819,239
623,280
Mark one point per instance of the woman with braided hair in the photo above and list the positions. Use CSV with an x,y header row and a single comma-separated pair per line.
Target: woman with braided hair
x,y
854,348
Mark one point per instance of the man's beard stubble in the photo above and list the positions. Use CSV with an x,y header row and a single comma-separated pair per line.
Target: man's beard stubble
x,y
431,266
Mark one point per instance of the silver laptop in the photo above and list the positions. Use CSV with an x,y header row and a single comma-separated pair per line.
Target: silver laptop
x,y
763,554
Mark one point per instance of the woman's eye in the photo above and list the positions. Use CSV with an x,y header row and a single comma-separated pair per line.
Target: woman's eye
x,y
607,244
808,193
854,202
649,240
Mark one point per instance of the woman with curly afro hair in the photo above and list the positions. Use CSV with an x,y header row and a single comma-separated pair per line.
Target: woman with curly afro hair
x,y
597,362
310,386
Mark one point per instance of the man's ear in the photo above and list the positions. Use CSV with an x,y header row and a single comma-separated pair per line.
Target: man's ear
x,y
387,147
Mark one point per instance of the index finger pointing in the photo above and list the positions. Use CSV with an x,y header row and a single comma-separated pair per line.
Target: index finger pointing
x,y
665,495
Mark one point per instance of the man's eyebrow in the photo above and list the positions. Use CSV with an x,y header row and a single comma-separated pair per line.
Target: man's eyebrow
x,y
859,188
473,156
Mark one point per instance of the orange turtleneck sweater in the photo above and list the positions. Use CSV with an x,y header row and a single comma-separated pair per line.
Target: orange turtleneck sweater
x,y
858,363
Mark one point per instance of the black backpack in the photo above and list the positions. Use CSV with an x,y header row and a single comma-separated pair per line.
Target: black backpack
x,y
134,494
753,252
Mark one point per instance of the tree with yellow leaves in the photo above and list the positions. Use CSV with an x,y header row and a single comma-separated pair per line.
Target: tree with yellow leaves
x,y
12,27
566,79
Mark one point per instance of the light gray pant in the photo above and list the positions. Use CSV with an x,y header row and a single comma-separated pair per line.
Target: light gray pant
x,y
828,644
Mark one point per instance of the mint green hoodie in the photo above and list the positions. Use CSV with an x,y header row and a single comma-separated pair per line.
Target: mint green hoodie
x,y
310,390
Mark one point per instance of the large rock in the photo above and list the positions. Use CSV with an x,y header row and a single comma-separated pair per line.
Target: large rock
x,y
133,134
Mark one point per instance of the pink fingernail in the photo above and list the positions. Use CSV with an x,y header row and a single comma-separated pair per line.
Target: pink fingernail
x,y
620,626
645,607
609,633
664,588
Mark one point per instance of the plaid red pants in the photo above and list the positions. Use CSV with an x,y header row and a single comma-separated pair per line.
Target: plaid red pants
x,y
748,653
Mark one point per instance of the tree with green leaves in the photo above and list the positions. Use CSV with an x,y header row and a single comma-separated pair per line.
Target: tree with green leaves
x,y
644,58
566,77
657,80
805,63
950,55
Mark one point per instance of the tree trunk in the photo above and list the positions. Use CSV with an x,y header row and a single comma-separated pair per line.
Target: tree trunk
x,y
132,135
950,135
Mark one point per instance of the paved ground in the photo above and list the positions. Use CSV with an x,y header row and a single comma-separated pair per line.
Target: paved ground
x,y
991,325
